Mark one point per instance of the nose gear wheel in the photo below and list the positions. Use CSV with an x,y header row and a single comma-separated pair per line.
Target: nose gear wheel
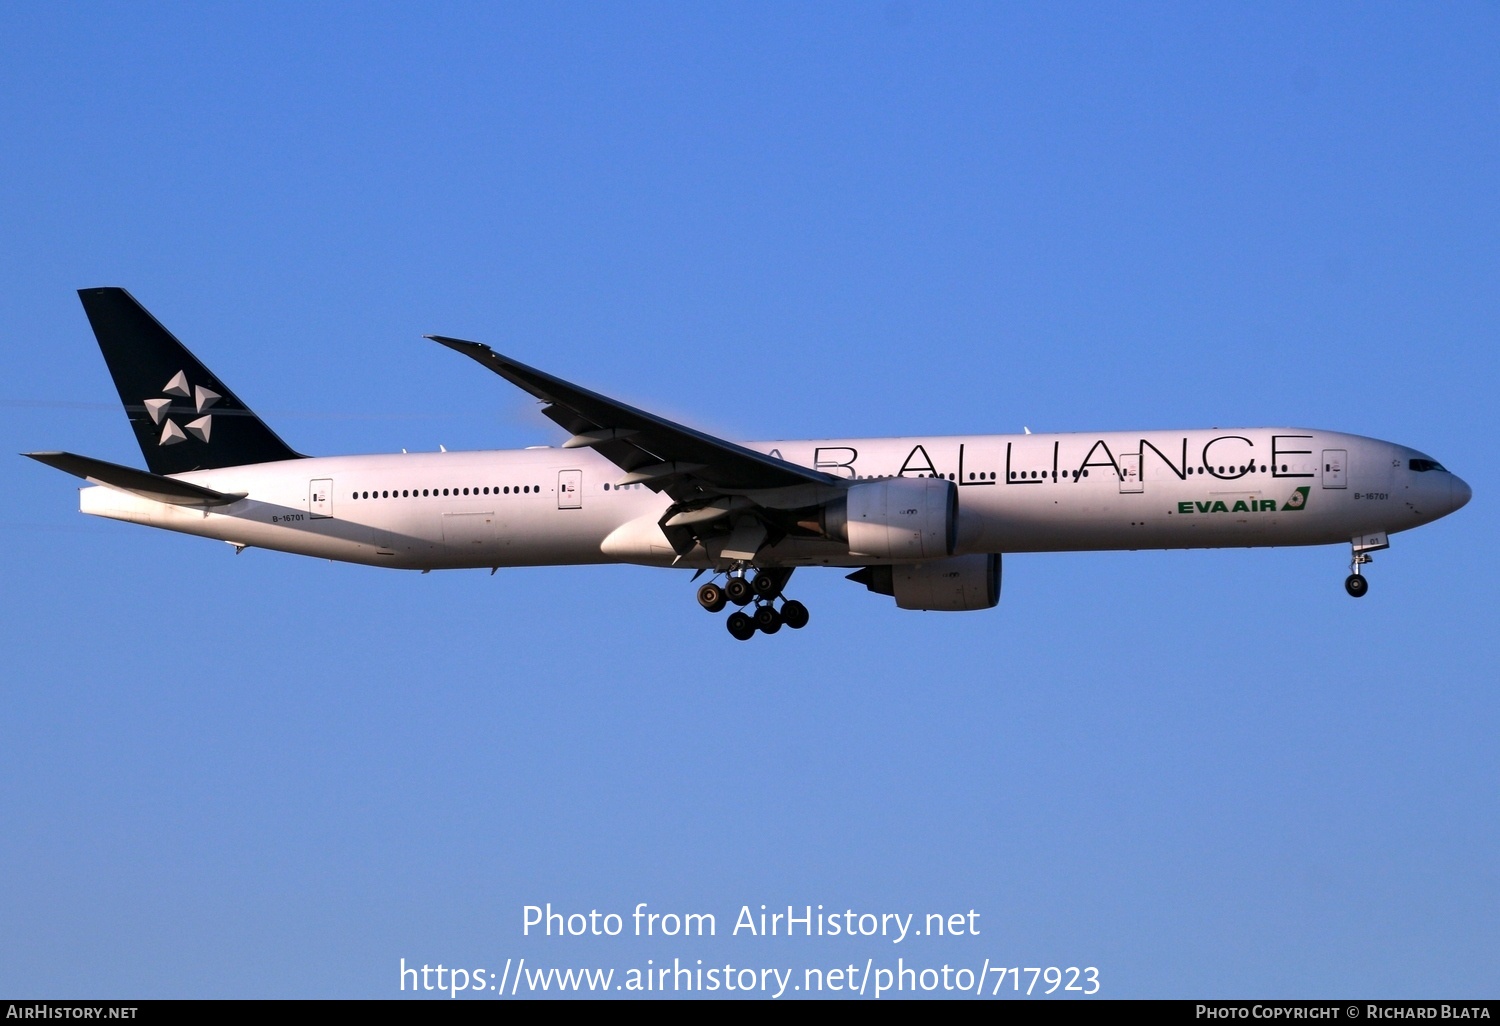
x,y
1356,584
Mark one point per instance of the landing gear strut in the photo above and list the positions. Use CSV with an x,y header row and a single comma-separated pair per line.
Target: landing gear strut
x,y
762,591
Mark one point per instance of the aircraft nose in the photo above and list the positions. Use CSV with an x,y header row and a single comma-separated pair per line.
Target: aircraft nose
x,y
1460,492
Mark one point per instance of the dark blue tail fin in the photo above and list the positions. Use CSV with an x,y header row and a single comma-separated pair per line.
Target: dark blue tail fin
x,y
184,418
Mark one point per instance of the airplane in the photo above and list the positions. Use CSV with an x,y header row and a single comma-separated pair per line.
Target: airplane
x,y
923,520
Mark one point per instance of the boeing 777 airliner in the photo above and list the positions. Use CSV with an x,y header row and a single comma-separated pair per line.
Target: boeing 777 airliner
x,y
923,520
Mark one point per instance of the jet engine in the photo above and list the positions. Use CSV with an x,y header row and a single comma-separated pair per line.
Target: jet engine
x,y
959,583
897,518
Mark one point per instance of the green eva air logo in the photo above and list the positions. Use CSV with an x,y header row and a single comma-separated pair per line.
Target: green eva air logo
x,y
1298,500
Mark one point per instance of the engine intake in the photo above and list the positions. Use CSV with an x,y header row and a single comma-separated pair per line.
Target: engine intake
x,y
897,518
956,584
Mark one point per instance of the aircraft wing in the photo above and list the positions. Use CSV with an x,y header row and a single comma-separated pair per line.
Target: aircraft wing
x,y
665,456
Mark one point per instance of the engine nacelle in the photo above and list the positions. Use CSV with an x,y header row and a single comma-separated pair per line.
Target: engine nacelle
x,y
956,584
897,518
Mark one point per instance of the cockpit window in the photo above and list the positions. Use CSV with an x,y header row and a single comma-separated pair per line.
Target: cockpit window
x,y
1424,465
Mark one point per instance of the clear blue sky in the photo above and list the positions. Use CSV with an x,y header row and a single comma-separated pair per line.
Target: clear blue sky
x,y
1206,773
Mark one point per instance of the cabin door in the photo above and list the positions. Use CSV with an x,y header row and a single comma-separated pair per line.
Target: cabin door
x,y
570,489
320,499
1335,468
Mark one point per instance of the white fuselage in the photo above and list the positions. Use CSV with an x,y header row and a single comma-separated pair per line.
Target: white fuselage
x,y
1017,493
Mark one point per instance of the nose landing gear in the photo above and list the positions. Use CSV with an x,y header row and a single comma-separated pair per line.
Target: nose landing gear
x,y
1362,545
762,590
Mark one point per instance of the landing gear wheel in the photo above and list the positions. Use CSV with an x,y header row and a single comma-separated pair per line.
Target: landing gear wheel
x,y
766,585
1356,585
712,597
738,590
794,614
767,619
741,626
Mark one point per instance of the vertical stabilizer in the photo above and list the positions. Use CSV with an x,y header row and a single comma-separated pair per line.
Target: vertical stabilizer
x,y
183,416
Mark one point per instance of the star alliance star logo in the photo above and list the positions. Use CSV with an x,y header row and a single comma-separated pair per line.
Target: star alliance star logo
x,y
171,431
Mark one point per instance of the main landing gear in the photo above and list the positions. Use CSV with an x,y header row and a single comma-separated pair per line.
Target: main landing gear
x,y
761,592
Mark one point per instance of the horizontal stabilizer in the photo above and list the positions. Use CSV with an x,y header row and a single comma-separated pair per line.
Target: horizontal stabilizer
x,y
138,482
